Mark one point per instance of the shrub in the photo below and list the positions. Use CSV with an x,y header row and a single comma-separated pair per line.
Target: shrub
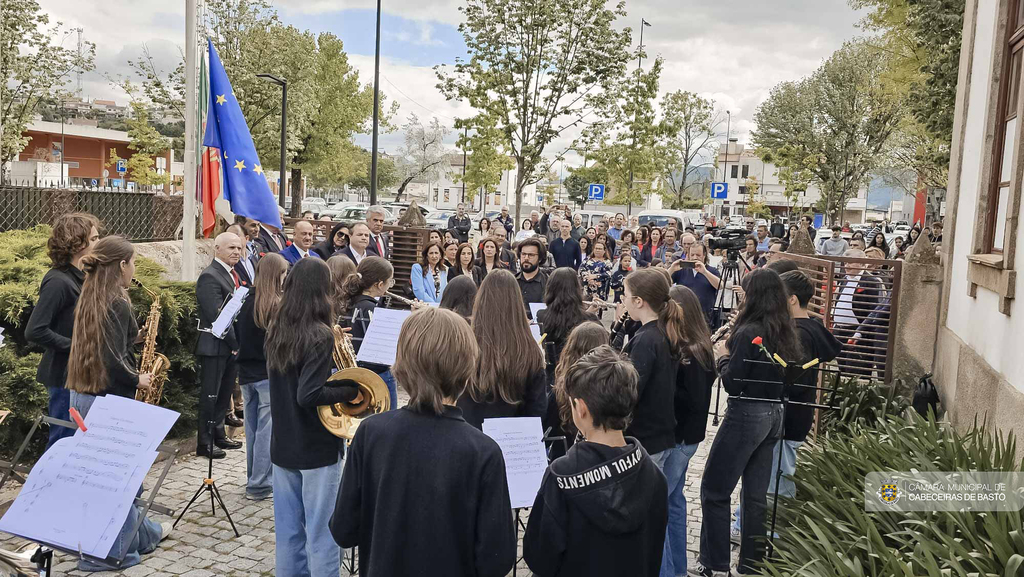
x,y
826,531
23,262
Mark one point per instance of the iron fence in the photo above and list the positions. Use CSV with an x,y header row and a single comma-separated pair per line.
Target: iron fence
x,y
138,216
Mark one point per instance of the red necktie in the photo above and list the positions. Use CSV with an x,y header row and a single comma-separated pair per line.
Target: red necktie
x,y
234,276
380,247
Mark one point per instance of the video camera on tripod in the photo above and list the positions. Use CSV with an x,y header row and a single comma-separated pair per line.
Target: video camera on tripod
x,y
732,241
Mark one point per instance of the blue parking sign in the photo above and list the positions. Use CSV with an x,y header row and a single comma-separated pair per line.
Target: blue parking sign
x,y
595,192
122,166
719,190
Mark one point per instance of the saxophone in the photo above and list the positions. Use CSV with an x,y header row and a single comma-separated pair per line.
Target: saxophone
x,y
152,361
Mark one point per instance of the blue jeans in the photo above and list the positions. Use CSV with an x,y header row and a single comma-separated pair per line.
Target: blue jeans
x,y
148,537
673,463
389,380
303,504
786,487
742,449
256,400
60,400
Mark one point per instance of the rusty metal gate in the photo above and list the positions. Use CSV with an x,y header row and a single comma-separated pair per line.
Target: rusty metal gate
x,y
858,300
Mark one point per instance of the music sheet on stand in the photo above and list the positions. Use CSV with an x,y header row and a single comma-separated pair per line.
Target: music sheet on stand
x,y
380,344
79,493
521,440
228,313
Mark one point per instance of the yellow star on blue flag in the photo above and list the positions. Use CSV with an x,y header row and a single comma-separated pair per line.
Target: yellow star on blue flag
x,y
246,190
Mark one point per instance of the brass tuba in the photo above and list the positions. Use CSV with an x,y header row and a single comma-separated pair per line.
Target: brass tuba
x,y
341,419
152,361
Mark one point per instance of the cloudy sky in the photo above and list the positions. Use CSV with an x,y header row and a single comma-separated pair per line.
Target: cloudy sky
x,y
732,51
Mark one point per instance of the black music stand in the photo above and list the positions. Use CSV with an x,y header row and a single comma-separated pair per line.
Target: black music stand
x,y
210,486
43,557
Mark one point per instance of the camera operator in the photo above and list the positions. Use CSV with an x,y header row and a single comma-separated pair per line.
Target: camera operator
x,y
695,274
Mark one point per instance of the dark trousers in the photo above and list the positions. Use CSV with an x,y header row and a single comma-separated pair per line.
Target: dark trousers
x,y
60,402
742,449
217,377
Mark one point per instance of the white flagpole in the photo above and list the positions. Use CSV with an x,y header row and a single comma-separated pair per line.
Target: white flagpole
x,y
188,240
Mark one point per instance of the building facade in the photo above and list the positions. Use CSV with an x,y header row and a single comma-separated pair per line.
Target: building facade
x,y
978,368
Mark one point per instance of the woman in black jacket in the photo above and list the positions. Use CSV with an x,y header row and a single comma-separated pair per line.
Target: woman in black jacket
x,y
253,320
752,424
466,265
336,241
360,294
102,363
53,316
305,455
510,379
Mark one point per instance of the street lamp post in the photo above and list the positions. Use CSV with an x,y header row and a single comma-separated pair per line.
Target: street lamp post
x,y
639,74
376,114
283,180
725,170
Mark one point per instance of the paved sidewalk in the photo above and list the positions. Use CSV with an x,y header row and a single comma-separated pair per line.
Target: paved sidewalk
x,y
203,545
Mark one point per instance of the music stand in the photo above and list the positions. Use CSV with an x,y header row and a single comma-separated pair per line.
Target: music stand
x,y
43,557
210,486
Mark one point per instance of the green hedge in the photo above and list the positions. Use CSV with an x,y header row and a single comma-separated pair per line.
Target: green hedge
x,y
826,531
23,262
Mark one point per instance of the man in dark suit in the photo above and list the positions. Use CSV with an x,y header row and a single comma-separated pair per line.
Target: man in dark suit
x,y
246,266
271,239
378,238
217,356
358,243
302,243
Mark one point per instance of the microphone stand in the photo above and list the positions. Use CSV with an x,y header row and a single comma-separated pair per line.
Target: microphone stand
x,y
209,485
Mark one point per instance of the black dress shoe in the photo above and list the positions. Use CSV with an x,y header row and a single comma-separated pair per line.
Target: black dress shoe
x,y
205,451
233,421
228,444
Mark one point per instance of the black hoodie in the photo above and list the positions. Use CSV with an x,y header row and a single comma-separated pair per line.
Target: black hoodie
x,y
817,343
600,511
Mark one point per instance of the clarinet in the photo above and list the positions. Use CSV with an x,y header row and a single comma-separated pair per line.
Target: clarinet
x,y
617,326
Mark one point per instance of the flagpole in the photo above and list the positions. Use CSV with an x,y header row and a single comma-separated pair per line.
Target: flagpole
x,y
188,234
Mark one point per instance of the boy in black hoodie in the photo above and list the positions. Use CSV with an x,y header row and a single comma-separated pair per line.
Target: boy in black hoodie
x,y
817,343
603,507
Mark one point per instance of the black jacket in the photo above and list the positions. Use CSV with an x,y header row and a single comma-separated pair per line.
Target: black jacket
x,y
737,373
213,289
534,403
566,253
654,419
266,241
553,345
693,401
819,344
460,227
532,289
326,248
478,273
601,511
437,483
371,249
252,358
298,439
52,321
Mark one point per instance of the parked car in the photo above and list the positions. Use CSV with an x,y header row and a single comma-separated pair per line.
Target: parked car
x,y
663,218
317,205
439,219
358,213
335,210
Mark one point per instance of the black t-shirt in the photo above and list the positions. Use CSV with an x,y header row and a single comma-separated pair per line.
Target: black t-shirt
x,y
533,289
700,286
298,439
819,344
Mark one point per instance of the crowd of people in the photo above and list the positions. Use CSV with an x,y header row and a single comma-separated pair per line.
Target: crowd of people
x,y
632,403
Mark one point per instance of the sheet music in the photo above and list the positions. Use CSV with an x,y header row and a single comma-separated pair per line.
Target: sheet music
x,y
522,445
228,313
535,331
535,308
79,493
380,344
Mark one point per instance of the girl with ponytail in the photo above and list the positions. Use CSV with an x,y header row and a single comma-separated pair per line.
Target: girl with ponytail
x,y
358,297
657,349
102,363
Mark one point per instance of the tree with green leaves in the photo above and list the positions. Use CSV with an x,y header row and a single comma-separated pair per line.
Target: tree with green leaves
x,y
35,66
689,130
147,142
485,161
579,180
423,156
832,126
533,70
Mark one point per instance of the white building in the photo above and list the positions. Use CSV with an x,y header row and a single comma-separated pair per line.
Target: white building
x,y
737,164
446,194
978,365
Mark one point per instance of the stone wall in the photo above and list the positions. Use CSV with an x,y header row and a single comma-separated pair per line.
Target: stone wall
x,y
918,320
168,255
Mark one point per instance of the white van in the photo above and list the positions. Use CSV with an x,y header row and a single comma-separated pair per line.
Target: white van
x,y
662,218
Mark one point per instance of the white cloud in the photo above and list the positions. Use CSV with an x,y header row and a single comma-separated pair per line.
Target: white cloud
x,y
444,11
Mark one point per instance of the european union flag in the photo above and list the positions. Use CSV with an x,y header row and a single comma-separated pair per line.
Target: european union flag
x,y
245,187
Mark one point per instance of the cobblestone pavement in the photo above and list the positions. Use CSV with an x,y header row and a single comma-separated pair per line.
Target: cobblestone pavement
x,y
203,545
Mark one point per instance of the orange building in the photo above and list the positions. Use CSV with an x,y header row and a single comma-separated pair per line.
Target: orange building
x,y
86,151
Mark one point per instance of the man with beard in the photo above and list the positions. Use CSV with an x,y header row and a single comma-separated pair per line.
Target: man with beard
x,y
532,281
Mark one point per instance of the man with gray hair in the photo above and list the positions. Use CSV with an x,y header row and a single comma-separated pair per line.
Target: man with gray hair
x,y
379,241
